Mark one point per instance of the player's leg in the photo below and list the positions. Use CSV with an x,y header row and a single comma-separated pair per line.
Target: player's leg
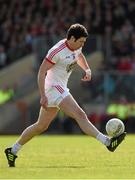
x,y
44,119
72,109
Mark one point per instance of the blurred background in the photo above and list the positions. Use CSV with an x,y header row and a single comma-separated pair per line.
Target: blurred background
x,y
28,28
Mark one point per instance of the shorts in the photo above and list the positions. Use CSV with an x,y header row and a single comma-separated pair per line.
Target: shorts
x,y
56,94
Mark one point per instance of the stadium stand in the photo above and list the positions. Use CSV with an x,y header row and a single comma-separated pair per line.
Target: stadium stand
x,y
24,22
29,28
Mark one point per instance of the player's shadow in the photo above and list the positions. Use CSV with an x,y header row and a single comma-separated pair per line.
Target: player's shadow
x,y
61,167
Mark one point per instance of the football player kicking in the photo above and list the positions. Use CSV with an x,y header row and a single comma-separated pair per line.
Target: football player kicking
x,y
53,77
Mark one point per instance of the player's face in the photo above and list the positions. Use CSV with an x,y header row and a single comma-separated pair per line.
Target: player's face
x,y
79,43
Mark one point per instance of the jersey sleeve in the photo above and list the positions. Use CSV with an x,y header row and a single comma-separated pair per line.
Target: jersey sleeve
x,y
52,56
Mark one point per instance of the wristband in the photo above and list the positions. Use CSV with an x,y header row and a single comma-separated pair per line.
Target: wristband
x,y
88,71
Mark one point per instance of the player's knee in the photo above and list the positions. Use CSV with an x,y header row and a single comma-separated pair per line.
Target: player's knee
x,y
41,127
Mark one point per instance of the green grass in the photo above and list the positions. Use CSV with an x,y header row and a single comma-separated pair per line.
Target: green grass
x,y
69,157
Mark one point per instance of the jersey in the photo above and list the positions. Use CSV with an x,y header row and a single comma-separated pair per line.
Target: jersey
x,y
64,60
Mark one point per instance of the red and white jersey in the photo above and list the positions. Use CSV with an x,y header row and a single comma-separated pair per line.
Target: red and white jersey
x,y
64,60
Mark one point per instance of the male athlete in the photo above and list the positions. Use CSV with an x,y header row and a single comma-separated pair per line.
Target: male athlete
x,y
53,76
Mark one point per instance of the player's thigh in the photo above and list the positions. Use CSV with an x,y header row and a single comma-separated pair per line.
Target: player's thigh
x,y
71,108
47,115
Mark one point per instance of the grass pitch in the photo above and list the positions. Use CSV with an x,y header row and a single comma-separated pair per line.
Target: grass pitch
x,y
69,157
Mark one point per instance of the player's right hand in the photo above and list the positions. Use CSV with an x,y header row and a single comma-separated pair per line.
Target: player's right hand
x,y
44,102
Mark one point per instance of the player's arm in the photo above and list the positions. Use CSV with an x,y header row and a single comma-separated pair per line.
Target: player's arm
x,y
84,65
44,67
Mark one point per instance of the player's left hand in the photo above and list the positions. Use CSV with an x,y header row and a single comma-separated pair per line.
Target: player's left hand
x,y
87,77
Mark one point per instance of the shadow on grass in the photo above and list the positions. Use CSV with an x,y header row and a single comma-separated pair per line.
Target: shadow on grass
x,y
60,167
46,167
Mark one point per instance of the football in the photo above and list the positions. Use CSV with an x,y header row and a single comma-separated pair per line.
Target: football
x,y
115,127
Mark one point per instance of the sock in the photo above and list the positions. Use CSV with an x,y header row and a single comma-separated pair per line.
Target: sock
x,y
103,139
15,148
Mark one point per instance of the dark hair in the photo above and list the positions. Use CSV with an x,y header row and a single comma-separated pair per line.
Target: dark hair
x,y
77,30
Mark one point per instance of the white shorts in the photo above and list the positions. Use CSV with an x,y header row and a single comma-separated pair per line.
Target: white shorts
x,y
55,95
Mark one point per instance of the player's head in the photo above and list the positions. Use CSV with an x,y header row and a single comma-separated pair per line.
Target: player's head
x,y
77,31
77,35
